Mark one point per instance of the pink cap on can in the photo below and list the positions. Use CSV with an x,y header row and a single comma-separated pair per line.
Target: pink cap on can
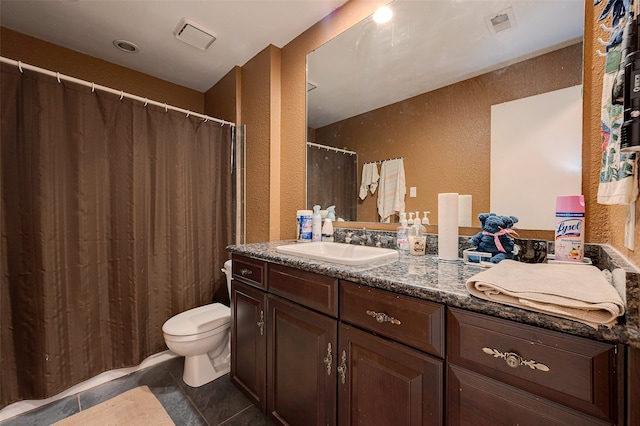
x,y
570,203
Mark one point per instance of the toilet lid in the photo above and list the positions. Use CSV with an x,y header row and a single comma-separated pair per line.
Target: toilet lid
x,y
198,320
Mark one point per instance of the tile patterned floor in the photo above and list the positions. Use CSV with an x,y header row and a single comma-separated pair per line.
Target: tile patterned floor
x,y
216,403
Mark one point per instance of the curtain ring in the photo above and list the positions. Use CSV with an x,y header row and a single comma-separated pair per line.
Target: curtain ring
x,y
205,119
165,107
20,67
58,77
121,94
93,87
146,101
188,113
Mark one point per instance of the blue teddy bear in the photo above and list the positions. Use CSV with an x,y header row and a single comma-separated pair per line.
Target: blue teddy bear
x,y
494,238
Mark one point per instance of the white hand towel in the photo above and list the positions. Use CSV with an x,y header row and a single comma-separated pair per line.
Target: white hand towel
x,y
576,292
369,179
392,189
374,178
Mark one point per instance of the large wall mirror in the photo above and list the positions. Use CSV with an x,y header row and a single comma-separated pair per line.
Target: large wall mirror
x,y
422,87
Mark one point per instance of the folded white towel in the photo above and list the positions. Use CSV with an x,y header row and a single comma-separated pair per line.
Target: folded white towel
x,y
576,292
369,179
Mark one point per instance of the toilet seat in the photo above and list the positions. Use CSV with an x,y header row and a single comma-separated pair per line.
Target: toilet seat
x,y
198,321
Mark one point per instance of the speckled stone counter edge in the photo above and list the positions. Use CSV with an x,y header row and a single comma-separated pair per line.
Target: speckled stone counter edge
x,y
428,278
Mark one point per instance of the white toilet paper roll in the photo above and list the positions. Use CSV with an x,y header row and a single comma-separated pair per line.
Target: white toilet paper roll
x,y
464,210
448,226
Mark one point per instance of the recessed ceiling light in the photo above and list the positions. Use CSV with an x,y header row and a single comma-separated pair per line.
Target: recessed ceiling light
x,y
126,46
382,15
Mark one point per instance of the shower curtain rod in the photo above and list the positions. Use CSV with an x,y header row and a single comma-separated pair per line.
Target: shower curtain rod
x,y
330,148
22,66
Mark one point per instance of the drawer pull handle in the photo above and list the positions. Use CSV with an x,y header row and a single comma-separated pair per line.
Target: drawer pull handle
x,y
328,360
342,368
245,271
260,323
514,360
382,317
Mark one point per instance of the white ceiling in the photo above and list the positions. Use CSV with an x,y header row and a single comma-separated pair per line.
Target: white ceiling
x,y
445,41
243,28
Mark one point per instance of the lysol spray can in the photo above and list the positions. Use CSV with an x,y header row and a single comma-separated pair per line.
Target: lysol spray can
x,y
570,228
305,226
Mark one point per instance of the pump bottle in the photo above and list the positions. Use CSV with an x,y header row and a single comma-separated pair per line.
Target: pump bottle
x,y
316,225
403,234
417,239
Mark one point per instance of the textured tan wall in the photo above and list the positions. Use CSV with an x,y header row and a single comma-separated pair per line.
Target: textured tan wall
x,y
445,135
605,224
32,51
257,101
294,83
223,99
275,102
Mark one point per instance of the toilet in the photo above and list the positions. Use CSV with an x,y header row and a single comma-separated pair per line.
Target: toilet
x,y
202,336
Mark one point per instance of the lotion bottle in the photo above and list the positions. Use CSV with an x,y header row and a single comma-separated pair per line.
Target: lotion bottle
x,y
316,225
417,239
403,234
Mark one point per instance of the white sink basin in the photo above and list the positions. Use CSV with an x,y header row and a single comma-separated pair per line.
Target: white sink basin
x,y
344,254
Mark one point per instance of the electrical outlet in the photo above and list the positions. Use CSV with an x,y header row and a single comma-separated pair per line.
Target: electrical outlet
x,y
412,192
630,227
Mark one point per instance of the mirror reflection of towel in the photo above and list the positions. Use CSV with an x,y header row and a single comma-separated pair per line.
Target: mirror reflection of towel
x,y
370,178
392,189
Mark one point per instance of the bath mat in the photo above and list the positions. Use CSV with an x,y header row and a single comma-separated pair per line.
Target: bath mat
x,y
135,407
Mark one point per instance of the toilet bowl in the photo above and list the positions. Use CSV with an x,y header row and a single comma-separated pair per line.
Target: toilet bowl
x,y
202,336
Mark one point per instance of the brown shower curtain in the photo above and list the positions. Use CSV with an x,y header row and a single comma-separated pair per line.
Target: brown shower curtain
x,y
115,216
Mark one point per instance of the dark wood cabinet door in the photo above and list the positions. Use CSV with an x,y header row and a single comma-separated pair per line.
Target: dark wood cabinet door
x,y
248,341
476,400
301,373
381,382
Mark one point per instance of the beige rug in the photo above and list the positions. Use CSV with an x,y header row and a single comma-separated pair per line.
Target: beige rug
x,y
135,407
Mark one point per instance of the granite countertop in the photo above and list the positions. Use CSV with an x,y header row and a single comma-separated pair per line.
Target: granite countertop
x,y
428,278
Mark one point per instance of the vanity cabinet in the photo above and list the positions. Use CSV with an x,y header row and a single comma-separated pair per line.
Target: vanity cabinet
x,y
309,349
386,375
248,329
501,372
302,347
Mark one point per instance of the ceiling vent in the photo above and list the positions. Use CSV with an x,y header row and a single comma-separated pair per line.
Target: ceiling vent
x,y
194,34
501,21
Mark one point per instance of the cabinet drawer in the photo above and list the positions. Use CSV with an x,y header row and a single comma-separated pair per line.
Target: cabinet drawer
x,y
414,322
314,291
477,400
570,370
250,271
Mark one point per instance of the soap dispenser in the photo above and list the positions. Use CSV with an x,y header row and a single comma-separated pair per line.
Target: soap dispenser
x,y
417,239
331,213
316,225
403,234
425,219
327,230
